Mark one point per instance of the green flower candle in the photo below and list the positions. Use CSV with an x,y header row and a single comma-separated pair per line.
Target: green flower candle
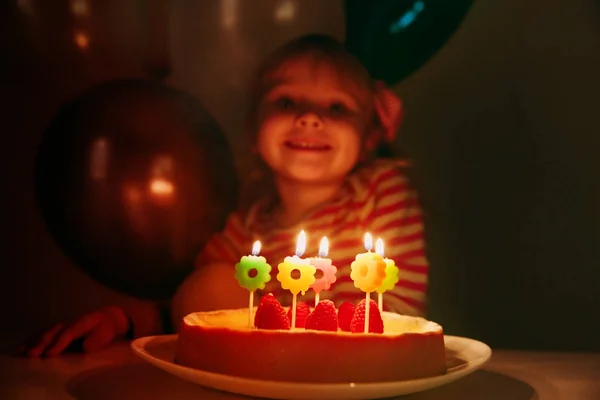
x,y
391,274
252,273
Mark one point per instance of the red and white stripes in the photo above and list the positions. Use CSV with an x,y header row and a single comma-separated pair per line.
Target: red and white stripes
x,y
380,201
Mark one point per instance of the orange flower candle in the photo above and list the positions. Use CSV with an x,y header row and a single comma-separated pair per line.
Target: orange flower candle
x,y
368,273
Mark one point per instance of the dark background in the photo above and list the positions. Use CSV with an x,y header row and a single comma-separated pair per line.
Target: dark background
x,y
502,124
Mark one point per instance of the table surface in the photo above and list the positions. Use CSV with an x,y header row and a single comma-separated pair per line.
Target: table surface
x,y
116,373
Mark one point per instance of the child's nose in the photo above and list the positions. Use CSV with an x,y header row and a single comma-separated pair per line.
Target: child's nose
x,y
309,120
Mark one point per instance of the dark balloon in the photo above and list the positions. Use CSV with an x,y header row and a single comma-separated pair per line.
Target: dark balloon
x,y
132,178
394,38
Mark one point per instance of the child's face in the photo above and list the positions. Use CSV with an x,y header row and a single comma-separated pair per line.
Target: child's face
x,y
312,122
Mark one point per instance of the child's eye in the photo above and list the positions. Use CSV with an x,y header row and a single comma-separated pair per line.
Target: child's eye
x,y
338,108
285,103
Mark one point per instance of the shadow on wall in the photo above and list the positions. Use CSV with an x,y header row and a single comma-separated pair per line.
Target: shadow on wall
x,y
502,126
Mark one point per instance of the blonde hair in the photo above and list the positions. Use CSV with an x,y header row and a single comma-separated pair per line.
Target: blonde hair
x,y
320,48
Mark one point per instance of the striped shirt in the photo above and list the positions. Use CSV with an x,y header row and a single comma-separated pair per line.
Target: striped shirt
x,y
376,199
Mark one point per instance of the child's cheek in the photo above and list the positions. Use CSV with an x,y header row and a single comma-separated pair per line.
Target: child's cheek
x,y
349,125
275,120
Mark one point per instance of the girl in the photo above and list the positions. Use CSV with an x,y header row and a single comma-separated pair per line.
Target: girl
x,y
316,122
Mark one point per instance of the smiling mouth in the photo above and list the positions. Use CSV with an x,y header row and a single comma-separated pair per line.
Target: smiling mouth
x,y
306,145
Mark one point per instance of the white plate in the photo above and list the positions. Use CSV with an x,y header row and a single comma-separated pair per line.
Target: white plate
x,y
463,356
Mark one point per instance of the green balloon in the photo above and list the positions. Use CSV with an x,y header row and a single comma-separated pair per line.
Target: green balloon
x,y
394,38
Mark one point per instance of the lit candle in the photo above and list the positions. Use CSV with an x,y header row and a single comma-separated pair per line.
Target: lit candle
x,y
391,274
260,270
368,272
323,264
306,273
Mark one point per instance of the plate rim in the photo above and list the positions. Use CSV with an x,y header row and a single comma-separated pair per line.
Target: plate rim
x,y
139,347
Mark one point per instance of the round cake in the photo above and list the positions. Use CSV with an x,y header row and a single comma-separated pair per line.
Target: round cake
x,y
223,342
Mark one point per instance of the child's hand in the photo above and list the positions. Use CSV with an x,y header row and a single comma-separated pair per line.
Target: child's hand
x,y
96,329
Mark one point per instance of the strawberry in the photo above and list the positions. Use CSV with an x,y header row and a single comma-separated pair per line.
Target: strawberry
x,y
358,320
302,311
270,314
345,314
323,317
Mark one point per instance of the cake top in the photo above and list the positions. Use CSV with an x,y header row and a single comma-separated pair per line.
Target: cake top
x,y
394,324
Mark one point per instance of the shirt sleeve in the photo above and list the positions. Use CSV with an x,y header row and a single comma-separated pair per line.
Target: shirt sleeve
x,y
226,246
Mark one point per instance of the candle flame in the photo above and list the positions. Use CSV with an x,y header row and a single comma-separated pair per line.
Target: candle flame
x,y
324,247
379,247
256,248
368,241
301,244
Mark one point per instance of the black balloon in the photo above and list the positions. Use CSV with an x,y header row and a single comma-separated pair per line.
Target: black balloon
x,y
394,38
132,178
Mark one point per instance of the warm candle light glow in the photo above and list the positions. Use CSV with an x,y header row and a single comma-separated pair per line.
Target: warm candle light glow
x,y
324,247
82,40
368,241
256,248
161,187
379,247
80,8
301,244
230,10
285,11
99,159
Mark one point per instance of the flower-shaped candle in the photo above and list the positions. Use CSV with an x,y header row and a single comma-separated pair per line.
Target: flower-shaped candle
x,y
391,274
328,271
302,267
368,273
252,272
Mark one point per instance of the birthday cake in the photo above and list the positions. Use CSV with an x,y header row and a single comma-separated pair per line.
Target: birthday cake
x,y
352,343
222,342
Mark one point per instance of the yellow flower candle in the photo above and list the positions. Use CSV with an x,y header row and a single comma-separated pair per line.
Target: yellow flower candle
x,y
368,273
391,274
303,267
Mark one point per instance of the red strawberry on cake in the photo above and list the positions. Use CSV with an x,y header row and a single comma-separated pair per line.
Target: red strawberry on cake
x,y
357,325
323,318
302,311
270,314
345,314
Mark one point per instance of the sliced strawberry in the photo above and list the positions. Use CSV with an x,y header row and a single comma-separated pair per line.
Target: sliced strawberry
x,y
302,311
323,317
270,314
345,314
358,320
